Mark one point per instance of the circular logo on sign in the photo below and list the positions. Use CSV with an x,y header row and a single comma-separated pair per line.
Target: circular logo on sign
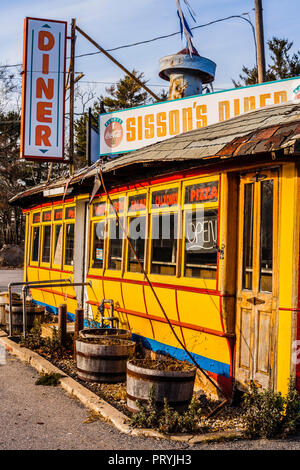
x,y
113,134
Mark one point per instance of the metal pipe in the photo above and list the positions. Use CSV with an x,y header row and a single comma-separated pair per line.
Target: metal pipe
x,y
37,285
24,295
24,283
112,318
72,284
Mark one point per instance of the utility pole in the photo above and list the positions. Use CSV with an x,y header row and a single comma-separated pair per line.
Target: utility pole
x,y
261,61
72,82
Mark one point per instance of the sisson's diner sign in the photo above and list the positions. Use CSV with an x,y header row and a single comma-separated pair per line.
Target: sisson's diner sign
x,y
43,90
134,128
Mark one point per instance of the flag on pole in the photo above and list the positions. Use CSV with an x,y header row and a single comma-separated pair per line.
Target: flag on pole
x,y
184,27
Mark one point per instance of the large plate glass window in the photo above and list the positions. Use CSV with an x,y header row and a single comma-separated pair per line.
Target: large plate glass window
x,y
98,244
201,230
69,248
164,231
137,237
116,234
35,246
201,235
46,249
58,244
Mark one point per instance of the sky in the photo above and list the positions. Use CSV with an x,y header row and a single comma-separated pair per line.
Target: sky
x,y
113,23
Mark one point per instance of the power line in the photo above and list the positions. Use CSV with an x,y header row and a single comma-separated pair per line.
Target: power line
x,y
161,37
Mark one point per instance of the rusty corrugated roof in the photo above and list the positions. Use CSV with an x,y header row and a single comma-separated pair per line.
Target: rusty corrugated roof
x,y
264,130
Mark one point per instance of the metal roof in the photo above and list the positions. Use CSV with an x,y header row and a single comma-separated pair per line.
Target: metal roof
x,y
265,130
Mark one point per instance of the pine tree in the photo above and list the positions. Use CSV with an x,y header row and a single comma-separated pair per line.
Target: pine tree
x,y
283,64
126,93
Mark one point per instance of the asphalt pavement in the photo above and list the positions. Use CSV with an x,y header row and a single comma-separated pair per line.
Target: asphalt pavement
x,y
10,275
36,417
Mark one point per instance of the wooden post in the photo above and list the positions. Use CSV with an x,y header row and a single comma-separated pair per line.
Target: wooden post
x,y
261,62
62,323
72,94
79,312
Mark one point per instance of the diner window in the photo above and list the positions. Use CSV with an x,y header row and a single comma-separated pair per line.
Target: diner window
x,y
137,235
35,247
164,243
58,244
248,236
115,245
98,244
46,248
69,247
266,236
201,236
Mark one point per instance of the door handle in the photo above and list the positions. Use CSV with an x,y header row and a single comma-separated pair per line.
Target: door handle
x,y
256,301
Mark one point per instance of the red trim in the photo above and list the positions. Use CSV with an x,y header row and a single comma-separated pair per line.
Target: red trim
x,y
218,240
189,326
47,204
50,291
160,180
158,284
289,309
50,269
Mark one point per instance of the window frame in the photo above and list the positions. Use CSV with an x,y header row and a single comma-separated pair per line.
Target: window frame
x,y
54,224
68,221
131,214
32,227
94,219
175,209
112,216
203,283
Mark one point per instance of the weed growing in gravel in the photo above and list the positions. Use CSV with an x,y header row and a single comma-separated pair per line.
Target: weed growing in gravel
x,y
51,379
268,414
51,347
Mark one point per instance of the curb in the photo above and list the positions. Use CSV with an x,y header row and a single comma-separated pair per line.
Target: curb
x,y
100,406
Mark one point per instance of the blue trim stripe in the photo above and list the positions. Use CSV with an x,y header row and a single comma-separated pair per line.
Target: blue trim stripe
x,y
51,309
205,363
210,365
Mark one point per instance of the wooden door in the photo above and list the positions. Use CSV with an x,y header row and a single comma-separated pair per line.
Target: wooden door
x,y
257,272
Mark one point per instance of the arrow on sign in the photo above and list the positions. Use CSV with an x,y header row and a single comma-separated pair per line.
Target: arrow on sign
x,y
46,26
44,150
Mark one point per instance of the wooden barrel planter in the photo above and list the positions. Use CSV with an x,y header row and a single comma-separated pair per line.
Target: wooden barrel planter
x,y
176,386
4,300
103,359
32,311
105,332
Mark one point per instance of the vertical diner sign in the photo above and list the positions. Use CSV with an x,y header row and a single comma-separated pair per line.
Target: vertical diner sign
x,y
43,90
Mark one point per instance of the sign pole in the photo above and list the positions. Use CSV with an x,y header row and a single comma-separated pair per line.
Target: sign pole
x,y
88,137
72,81
261,62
